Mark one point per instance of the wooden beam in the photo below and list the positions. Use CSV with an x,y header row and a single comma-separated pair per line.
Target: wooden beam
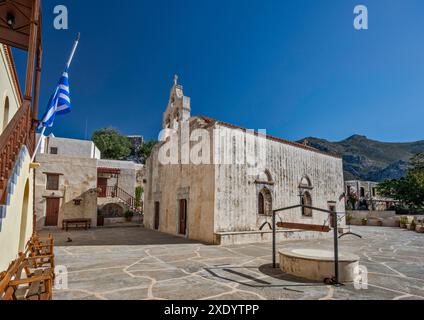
x,y
37,83
301,226
32,50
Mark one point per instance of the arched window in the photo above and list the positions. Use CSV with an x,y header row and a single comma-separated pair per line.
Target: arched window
x,y
5,113
306,201
265,202
362,192
261,208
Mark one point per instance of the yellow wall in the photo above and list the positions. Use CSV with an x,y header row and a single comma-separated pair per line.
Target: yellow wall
x,y
17,225
16,228
7,89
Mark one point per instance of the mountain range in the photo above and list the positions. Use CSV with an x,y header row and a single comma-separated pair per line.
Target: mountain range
x,y
370,160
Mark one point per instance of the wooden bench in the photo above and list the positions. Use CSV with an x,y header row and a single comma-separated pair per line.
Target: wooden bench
x,y
77,223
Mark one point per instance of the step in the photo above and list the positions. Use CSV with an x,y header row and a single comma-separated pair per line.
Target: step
x,y
11,184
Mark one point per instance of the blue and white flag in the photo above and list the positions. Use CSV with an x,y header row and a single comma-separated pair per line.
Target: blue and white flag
x,y
59,103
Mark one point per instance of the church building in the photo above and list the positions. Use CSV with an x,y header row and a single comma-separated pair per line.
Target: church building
x,y
218,183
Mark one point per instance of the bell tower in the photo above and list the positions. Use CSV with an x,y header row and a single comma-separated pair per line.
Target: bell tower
x,y
178,108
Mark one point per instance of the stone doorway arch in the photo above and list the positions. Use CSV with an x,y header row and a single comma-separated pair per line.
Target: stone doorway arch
x,y
265,202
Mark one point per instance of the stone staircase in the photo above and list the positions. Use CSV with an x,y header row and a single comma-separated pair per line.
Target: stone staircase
x,y
10,189
121,195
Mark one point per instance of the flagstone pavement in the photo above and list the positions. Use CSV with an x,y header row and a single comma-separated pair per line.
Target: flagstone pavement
x,y
132,263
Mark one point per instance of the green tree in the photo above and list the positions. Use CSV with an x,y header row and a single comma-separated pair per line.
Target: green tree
x,y
410,189
112,144
417,163
146,150
138,193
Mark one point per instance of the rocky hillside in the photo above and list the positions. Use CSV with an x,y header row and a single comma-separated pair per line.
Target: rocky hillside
x,y
366,159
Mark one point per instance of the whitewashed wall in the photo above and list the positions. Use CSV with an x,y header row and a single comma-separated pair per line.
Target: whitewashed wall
x,y
236,204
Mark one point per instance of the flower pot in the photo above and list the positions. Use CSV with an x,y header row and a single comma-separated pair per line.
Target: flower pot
x,y
419,229
364,223
403,226
412,227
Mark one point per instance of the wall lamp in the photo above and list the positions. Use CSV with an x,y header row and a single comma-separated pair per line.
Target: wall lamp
x,y
10,19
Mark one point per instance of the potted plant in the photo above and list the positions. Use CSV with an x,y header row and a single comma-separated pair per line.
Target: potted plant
x,y
364,221
412,225
128,215
138,194
403,222
349,218
420,227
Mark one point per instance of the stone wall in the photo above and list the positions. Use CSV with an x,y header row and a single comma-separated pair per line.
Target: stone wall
x,y
237,192
70,147
127,178
78,180
169,184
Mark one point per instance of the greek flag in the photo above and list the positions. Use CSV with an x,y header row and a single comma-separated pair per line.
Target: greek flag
x,y
59,103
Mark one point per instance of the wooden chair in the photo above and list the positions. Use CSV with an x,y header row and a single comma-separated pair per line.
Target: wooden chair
x,y
41,251
30,277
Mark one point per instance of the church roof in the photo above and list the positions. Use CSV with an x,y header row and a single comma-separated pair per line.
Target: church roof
x,y
209,120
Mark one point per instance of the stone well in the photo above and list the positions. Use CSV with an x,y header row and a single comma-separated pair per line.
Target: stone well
x,y
317,265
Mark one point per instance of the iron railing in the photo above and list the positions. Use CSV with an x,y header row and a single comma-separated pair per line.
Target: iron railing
x,y
121,194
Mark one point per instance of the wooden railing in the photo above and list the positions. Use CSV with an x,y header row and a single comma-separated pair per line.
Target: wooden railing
x,y
117,192
19,132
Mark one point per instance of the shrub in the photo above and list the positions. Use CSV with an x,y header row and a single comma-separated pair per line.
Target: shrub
x,y
138,193
128,214
403,220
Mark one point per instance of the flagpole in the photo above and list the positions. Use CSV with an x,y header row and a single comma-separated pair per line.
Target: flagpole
x,y
68,64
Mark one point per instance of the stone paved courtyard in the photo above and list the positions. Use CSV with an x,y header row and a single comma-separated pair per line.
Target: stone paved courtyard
x,y
133,263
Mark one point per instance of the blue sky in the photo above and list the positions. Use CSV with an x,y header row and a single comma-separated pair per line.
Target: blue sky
x,y
295,68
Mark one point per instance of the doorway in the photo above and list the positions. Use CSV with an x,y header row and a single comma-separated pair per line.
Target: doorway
x,y
102,187
24,219
183,217
157,215
52,212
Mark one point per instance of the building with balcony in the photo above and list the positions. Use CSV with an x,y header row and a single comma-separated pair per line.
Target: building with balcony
x,y
16,174
363,195
73,182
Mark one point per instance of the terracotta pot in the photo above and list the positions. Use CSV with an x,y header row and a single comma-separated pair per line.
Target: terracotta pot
x,y
419,229
412,227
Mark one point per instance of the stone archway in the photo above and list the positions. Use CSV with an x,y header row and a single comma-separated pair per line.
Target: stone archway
x,y
112,210
265,202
